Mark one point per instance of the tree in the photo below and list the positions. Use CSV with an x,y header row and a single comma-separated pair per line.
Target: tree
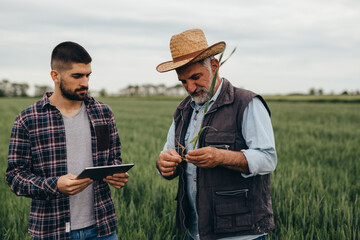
x,y
312,91
4,88
103,92
19,89
41,89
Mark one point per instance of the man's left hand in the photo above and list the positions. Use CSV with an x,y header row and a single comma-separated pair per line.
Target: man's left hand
x,y
206,157
117,180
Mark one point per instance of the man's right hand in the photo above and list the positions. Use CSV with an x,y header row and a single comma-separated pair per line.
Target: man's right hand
x,y
167,162
68,184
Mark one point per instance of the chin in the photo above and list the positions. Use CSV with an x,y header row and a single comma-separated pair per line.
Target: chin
x,y
199,100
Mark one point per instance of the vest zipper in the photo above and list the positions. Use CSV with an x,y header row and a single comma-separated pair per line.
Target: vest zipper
x,y
184,191
239,192
198,170
225,146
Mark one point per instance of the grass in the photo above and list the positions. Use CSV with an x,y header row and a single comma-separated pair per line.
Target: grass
x,y
316,98
315,188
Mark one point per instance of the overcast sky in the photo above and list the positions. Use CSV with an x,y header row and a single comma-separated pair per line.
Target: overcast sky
x,y
282,46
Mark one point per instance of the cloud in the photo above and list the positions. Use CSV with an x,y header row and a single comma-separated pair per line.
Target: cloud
x,y
279,43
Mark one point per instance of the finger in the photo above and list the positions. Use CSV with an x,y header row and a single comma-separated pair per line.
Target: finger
x,y
116,184
172,152
168,164
121,175
197,152
171,155
70,176
82,181
167,174
78,188
191,158
116,179
167,170
171,158
84,185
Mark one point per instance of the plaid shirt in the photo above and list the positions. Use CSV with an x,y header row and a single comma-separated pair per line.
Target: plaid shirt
x,y
37,158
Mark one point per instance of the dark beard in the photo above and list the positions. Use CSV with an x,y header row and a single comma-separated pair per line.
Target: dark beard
x,y
72,95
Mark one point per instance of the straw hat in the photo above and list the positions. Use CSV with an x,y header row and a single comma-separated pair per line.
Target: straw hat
x,y
189,47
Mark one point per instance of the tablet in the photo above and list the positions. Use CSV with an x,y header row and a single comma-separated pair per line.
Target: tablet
x,y
98,173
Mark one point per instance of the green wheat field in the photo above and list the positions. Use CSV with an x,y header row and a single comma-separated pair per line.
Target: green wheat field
x,y
315,187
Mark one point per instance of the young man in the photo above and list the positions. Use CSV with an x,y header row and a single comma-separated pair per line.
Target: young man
x,y
52,141
224,183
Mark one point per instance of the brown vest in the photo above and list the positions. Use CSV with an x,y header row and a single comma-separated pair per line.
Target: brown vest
x,y
227,204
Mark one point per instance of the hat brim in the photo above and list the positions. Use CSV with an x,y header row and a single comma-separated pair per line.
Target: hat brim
x,y
210,51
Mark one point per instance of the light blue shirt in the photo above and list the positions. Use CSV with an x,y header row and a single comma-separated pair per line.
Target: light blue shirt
x,y
261,155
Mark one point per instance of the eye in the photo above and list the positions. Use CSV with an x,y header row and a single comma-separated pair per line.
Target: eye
x,y
183,81
195,77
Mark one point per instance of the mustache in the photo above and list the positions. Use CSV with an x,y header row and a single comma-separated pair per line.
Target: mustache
x,y
81,89
194,92
197,91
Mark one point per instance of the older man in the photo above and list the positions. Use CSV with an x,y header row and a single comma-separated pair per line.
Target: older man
x,y
224,183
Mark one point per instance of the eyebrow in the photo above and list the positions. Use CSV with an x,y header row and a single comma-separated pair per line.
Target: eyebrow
x,y
191,77
80,74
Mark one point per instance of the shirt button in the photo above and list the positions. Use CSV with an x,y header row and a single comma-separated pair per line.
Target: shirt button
x,y
58,117
61,134
194,179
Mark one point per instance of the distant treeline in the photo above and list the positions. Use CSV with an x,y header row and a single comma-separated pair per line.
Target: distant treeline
x,y
343,98
12,89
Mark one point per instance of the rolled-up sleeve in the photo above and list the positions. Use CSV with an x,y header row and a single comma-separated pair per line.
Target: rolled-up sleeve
x,y
259,136
170,142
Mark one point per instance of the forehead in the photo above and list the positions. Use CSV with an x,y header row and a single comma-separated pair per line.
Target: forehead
x,y
79,68
189,70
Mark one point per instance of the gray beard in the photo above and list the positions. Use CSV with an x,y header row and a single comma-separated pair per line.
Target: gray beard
x,y
201,99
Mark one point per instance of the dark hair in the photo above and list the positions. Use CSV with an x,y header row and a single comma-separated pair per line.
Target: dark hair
x,y
67,53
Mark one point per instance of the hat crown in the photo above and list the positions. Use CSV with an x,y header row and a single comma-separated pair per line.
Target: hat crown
x,y
189,47
187,42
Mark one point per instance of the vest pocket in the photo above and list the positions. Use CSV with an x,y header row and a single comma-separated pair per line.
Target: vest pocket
x,y
102,137
220,139
232,213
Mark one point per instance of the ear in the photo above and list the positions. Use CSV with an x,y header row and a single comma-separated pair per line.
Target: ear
x,y
214,65
55,75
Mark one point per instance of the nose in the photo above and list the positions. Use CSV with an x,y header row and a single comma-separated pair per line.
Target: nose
x,y
85,81
191,86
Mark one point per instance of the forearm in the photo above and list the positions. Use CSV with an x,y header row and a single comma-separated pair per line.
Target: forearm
x,y
234,160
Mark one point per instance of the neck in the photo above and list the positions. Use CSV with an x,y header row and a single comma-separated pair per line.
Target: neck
x,y
217,84
66,107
